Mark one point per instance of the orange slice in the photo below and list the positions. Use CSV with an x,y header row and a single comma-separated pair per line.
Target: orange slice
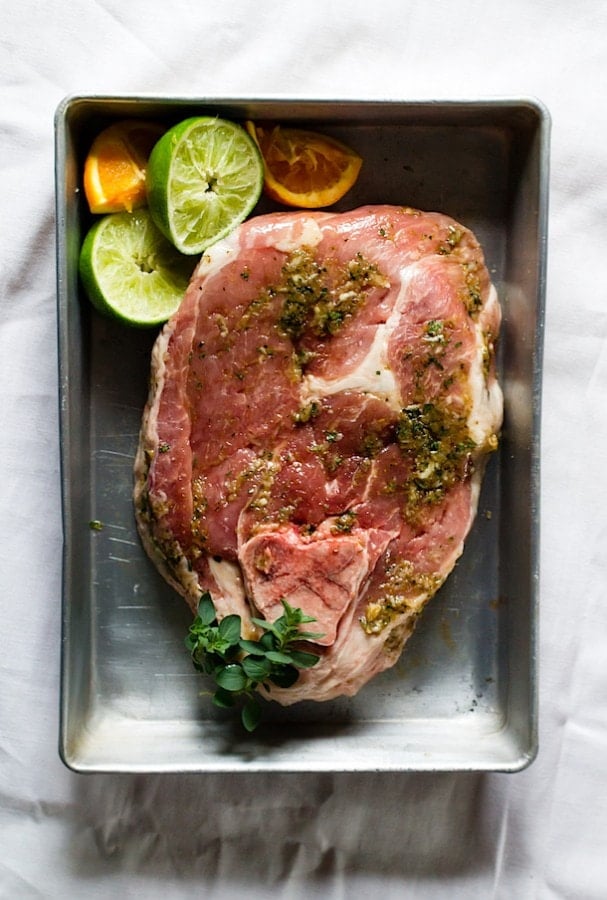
x,y
303,168
114,170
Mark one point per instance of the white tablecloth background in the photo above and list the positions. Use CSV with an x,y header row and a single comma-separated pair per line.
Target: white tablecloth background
x,y
541,833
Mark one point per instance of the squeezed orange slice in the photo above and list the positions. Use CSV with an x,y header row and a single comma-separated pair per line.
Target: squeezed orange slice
x,y
304,168
114,170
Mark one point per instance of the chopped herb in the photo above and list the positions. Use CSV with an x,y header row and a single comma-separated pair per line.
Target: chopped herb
x,y
332,463
95,525
255,308
310,411
344,523
438,442
399,591
472,295
488,352
454,236
285,513
329,458
164,447
320,302
265,352
222,325
307,529
240,666
372,445
434,329
295,313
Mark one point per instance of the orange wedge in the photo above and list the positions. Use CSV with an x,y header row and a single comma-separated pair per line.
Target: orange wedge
x,y
114,170
303,168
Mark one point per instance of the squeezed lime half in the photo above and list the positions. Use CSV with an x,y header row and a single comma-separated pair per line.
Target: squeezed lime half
x,y
131,271
204,177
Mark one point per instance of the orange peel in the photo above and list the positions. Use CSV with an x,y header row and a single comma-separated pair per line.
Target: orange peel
x,y
304,168
115,167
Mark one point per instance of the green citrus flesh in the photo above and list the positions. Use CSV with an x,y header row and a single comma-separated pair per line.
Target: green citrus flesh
x,y
204,177
130,271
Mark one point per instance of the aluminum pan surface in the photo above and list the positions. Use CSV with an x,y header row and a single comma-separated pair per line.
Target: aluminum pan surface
x,y
463,696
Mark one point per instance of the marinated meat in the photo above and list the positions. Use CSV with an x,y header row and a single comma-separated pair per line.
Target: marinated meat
x,y
320,410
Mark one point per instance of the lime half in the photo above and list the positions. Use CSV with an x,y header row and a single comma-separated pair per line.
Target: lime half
x,y
204,177
130,270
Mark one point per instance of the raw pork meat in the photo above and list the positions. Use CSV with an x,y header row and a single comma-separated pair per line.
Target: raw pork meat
x,y
320,410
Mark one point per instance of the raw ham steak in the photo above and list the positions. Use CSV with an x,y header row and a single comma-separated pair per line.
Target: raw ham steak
x,y
320,410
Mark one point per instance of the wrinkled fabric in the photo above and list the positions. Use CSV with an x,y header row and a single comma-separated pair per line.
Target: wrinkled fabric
x,y
540,833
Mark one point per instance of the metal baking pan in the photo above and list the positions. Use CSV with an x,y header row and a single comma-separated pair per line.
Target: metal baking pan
x,y
464,694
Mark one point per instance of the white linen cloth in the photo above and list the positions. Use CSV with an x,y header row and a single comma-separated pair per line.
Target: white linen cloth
x,y
541,833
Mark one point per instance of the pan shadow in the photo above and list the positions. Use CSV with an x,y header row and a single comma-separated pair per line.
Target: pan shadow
x,y
260,829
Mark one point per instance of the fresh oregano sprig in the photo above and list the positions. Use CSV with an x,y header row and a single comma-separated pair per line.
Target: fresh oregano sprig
x,y
238,666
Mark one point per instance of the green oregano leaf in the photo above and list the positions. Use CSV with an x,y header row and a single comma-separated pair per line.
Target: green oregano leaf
x,y
256,668
304,660
266,641
229,629
224,699
309,635
191,642
206,609
277,656
251,714
231,677
255,648
239,666
284,677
